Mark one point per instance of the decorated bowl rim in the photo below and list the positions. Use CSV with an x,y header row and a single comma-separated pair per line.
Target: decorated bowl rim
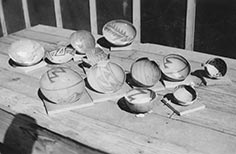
x,y
124,22
182,58
152,94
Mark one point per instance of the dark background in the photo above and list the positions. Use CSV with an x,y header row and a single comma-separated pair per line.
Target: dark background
x,y
162,21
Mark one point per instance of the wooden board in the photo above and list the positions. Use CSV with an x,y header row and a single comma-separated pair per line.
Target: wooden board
x,y
222,81
52,109
89,129
182,110
22,130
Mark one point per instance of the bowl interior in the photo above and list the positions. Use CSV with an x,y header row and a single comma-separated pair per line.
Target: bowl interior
x,y
185,94
140,96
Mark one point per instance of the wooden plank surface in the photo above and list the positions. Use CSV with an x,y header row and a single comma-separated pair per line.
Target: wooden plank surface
x,y
99,134
23,131
109,126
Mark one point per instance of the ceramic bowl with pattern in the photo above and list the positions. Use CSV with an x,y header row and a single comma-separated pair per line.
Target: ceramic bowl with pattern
x,y
119,32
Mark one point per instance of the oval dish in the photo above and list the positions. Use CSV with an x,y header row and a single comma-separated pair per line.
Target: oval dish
x,y
119,32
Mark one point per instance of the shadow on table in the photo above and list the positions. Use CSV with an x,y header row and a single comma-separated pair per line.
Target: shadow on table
x,y
20,136
25,136
130,81
202,75
104,43
12,63
123,106
90,87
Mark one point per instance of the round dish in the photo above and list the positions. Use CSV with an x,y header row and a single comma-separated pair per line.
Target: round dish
x,y
119,32
185,95
82,40
175,67
145,72
26,52
140,100
106,77
215,68
62,85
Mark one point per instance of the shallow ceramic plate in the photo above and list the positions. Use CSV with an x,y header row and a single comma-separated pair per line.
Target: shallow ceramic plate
x,y
119,32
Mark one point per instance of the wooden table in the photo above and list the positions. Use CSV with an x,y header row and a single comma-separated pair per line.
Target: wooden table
x,y
105,126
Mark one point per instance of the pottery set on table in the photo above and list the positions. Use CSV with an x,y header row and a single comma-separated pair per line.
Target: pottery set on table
x,y
62,85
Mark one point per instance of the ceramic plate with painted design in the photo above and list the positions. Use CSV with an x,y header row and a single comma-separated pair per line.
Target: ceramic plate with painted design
x,y
119,32
60,54
175,67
